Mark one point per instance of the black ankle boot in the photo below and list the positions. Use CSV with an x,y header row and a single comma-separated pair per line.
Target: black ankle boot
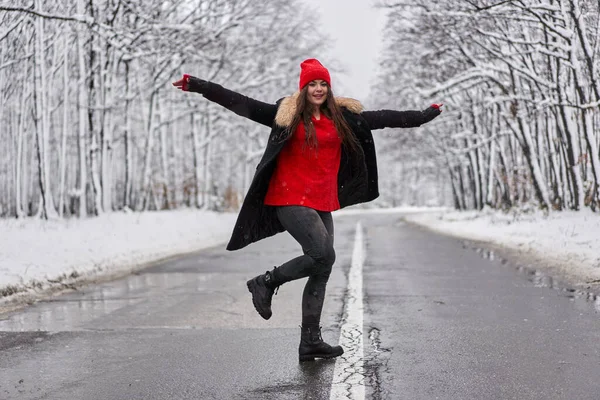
x,y
262,288
312,345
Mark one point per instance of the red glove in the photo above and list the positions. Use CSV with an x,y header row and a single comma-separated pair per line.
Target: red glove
x,y
437,106
183,83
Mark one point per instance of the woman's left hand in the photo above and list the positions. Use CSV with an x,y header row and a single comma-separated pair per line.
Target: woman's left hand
x,y
182,83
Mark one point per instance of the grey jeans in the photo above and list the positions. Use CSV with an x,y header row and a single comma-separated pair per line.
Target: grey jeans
x,y
314,231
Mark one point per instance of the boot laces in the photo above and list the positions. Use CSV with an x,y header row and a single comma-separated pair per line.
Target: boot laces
x,y
314,334
268,279
319,335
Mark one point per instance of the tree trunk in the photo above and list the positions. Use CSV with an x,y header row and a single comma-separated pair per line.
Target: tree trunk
x,y
65,125
20,184
43,121
82,100
206,202
507,182
149,119
96,125
196,159
572,150
164,161
127,201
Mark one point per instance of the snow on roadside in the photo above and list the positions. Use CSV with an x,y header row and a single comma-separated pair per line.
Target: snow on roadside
x,y
567,242
37,255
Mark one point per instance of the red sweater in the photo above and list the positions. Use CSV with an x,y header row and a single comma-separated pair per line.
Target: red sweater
x,y
306,176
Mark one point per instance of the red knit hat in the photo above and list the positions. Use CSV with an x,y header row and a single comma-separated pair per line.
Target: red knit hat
x,y
312,69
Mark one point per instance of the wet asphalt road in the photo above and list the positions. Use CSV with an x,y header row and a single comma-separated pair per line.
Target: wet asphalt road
x,y
440,322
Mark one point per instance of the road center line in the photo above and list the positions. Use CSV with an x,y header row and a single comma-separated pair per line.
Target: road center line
x,y
348,376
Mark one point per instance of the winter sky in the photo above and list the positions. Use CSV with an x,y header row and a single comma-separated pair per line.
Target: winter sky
x,y
356,29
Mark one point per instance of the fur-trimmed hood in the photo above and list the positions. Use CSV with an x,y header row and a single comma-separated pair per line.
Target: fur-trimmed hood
x,y
287,108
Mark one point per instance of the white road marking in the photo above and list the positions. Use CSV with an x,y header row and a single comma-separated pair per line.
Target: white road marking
x,y
348,376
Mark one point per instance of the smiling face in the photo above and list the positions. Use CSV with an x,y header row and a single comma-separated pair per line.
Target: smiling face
x,y
317,92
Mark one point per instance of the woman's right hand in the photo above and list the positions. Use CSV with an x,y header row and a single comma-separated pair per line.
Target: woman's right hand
x,y
182,84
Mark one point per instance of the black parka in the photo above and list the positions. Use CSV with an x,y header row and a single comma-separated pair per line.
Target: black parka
x,y
357,176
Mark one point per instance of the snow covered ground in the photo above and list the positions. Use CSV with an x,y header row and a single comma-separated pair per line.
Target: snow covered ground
x,y
39,256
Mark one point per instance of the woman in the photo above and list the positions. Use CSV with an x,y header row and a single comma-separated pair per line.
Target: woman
x,y
320,157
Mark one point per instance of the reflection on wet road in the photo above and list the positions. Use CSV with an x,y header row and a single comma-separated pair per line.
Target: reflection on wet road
x,y
182,329
456,322
442,320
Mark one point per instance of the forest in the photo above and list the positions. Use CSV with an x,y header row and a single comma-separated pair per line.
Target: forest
x,y
90,123
522,92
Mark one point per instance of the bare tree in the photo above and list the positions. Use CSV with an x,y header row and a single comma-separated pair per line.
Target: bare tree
x,y
107,119
525,68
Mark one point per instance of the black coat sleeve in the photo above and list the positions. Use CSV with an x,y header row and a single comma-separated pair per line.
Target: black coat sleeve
x,y
257,111
399,119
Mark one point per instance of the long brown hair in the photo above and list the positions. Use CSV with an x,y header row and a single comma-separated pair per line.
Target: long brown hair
x,y
331,110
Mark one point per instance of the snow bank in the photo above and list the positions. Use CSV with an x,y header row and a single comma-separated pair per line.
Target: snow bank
x,y
40,255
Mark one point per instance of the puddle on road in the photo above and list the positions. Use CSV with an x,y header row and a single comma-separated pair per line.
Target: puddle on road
x,y
540,279
73,311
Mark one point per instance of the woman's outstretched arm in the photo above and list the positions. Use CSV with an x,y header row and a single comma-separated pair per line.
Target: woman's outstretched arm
x,y
400,119
257,111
